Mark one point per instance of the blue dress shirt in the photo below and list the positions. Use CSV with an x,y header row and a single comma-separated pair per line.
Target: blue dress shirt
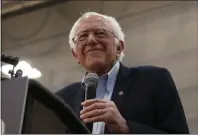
x,y
104,91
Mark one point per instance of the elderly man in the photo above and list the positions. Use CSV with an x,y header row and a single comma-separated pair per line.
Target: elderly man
x,y
128,100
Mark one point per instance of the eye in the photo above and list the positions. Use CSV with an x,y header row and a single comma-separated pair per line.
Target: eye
x,y
82,36
100,33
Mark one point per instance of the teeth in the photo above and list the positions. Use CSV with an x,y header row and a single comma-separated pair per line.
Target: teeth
x,y
93,50
96,50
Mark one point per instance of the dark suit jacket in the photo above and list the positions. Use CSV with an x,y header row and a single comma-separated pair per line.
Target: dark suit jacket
x,y
150,102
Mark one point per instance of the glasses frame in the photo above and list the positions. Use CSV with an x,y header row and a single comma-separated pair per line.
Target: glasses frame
x,y
107,31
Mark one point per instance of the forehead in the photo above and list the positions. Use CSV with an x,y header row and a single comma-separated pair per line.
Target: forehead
x,y
93,22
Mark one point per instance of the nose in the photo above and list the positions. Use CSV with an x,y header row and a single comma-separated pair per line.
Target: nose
x,y
91,40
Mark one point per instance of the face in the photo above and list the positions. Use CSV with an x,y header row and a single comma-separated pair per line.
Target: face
x,y
96,49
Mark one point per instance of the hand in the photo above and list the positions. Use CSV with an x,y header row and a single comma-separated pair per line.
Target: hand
x,y
100,110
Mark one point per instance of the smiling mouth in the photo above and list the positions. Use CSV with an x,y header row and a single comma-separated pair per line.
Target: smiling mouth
x,y
98,50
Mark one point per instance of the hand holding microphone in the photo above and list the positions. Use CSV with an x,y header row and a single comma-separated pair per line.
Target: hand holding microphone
x,y
100,110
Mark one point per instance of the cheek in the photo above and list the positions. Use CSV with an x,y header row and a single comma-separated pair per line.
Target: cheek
x,y
107,46
112,50
80,55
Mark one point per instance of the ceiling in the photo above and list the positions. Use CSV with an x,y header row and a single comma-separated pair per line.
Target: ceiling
x,y
8,6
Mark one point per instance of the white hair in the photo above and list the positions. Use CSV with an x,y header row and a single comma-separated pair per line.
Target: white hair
x,y
115,25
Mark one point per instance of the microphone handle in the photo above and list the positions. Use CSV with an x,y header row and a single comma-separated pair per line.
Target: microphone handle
x,y
90,93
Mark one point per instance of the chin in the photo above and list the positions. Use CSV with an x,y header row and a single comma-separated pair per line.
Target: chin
x,y
95,65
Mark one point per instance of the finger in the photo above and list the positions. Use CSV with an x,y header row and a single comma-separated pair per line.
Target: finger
x,y
104,117
91,101
93,107
100,118
93,113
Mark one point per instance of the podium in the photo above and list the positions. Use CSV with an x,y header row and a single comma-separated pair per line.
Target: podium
x,y
29,108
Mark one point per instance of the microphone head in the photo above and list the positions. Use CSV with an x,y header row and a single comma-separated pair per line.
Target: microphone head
x,y
91,83
91,78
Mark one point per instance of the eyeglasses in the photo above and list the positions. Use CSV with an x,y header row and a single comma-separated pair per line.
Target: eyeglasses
x,y
97,33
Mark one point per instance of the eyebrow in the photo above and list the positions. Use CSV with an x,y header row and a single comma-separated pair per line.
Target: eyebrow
x,y
91,30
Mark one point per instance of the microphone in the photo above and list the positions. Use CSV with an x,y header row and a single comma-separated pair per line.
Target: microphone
x,y
91,83
10,59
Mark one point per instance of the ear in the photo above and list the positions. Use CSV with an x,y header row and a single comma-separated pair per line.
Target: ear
x,y
76,56
120,47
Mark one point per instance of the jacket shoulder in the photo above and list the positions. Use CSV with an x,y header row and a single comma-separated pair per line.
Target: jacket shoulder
x,y
152,72
150,69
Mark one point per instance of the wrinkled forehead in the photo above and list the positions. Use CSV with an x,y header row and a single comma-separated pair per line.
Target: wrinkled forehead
x,y
93,22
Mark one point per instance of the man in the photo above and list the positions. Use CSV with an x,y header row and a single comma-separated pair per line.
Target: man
x,y
128,100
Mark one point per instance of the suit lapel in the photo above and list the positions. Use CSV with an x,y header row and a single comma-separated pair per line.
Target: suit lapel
x,y
122,86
